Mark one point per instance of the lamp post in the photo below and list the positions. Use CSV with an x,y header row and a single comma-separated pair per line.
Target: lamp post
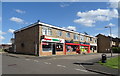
x,y
110,39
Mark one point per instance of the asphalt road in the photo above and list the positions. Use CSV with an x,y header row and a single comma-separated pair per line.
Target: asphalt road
x,y
47,65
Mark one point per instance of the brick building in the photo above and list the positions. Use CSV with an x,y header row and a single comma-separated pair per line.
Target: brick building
x,y
5,46
103,43
43,39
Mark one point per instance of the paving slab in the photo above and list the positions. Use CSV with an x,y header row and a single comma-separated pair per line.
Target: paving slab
x,y
98,68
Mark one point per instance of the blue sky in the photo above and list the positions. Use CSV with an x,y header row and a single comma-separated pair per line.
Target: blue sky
x,y
90,17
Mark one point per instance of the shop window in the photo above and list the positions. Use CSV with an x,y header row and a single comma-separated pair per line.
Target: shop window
x,y
75,36
46,46
67,34
59,47
93,48
59,33
71,48
83,48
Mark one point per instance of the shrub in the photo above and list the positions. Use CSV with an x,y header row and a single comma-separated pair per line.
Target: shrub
x,y
116,49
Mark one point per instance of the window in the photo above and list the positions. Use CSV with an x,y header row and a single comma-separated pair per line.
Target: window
x,y
49,31
59,33
59,47
75,36
87,39
95,41
90,38
68,34
46,46
71,48
82,38
46,31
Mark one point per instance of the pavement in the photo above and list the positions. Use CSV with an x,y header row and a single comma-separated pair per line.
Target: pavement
x,y
94,66
101,69
70,64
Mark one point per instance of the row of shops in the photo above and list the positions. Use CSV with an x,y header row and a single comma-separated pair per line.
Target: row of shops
x,y
57,46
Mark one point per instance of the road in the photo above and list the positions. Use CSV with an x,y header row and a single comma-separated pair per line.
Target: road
x,y
46,65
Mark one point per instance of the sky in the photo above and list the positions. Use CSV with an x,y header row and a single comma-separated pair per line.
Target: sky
x,y
90,17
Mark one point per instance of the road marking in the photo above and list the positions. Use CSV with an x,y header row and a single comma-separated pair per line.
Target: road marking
x,y
61,66
81,70
47,63
81,66
36,60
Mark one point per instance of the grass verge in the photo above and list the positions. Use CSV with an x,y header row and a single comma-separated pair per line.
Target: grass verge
x,y
112,62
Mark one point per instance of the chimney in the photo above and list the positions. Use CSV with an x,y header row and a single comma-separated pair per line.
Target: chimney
x,y
38,21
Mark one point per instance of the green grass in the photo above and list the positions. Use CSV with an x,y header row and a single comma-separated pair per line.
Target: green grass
x,y
112,62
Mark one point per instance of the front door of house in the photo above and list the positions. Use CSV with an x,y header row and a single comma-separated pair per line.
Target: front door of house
x,y
54,49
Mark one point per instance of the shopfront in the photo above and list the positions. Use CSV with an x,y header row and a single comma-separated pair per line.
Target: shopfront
x,y
85,48
52,46
75,47
93,48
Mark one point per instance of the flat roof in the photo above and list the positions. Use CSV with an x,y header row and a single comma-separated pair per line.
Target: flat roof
x,y
48,25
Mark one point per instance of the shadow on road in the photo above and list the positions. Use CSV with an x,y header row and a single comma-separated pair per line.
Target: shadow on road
x,y
78,63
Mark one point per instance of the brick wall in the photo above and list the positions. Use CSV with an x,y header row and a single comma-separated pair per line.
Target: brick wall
x,y
26,40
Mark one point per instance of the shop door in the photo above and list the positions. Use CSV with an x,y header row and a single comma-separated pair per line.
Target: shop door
x,y
54,49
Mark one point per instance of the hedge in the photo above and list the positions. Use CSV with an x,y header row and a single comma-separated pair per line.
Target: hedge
x,y
116,49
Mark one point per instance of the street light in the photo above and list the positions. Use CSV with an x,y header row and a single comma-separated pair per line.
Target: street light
x,y
110,39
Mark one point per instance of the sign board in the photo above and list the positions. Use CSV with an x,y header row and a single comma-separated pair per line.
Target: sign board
x,y
52,39
93,44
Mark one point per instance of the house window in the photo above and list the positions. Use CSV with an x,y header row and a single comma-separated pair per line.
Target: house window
x,y
87,39
95,41
68,34
46,31
81,38
59,33
49,31
75,36
90,38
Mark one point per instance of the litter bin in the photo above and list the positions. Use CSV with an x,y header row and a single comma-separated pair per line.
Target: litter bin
x,y
104,58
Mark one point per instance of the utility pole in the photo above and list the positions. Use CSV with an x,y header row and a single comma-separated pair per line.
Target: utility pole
x,y
110,39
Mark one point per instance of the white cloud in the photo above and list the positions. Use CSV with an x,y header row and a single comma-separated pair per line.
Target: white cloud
x,y
70,28
2,33
64,4
86,22
1,37
110,24
90,17
113,3
11,30
114,32
19,11
16,19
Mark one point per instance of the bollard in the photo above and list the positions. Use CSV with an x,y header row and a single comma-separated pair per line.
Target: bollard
x,y
104,58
